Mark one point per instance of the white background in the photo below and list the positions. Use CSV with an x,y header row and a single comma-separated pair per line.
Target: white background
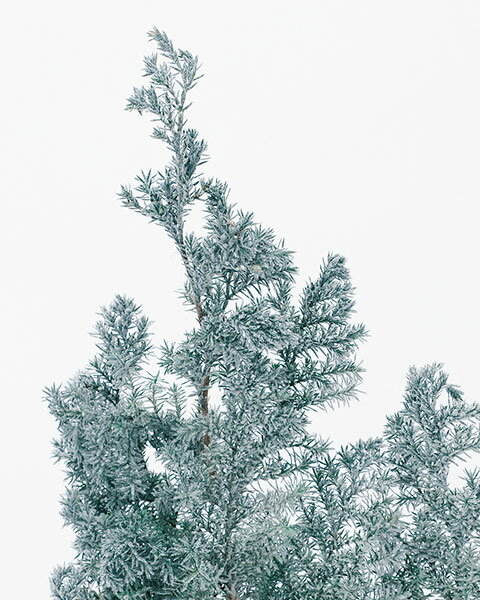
x,y
346,126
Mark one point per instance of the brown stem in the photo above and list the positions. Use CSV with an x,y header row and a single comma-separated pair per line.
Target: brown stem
x,y
231,594
204,409
200,313
184,187
204,405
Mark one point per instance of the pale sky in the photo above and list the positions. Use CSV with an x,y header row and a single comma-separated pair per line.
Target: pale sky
x,y
347,126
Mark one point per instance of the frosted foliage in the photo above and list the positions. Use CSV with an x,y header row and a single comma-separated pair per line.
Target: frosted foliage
x,y
196,478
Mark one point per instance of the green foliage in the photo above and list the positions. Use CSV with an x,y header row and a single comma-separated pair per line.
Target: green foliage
x,y
435,430
244,502
351,533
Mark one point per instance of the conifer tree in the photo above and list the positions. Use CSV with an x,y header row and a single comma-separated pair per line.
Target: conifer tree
x,y
247,504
